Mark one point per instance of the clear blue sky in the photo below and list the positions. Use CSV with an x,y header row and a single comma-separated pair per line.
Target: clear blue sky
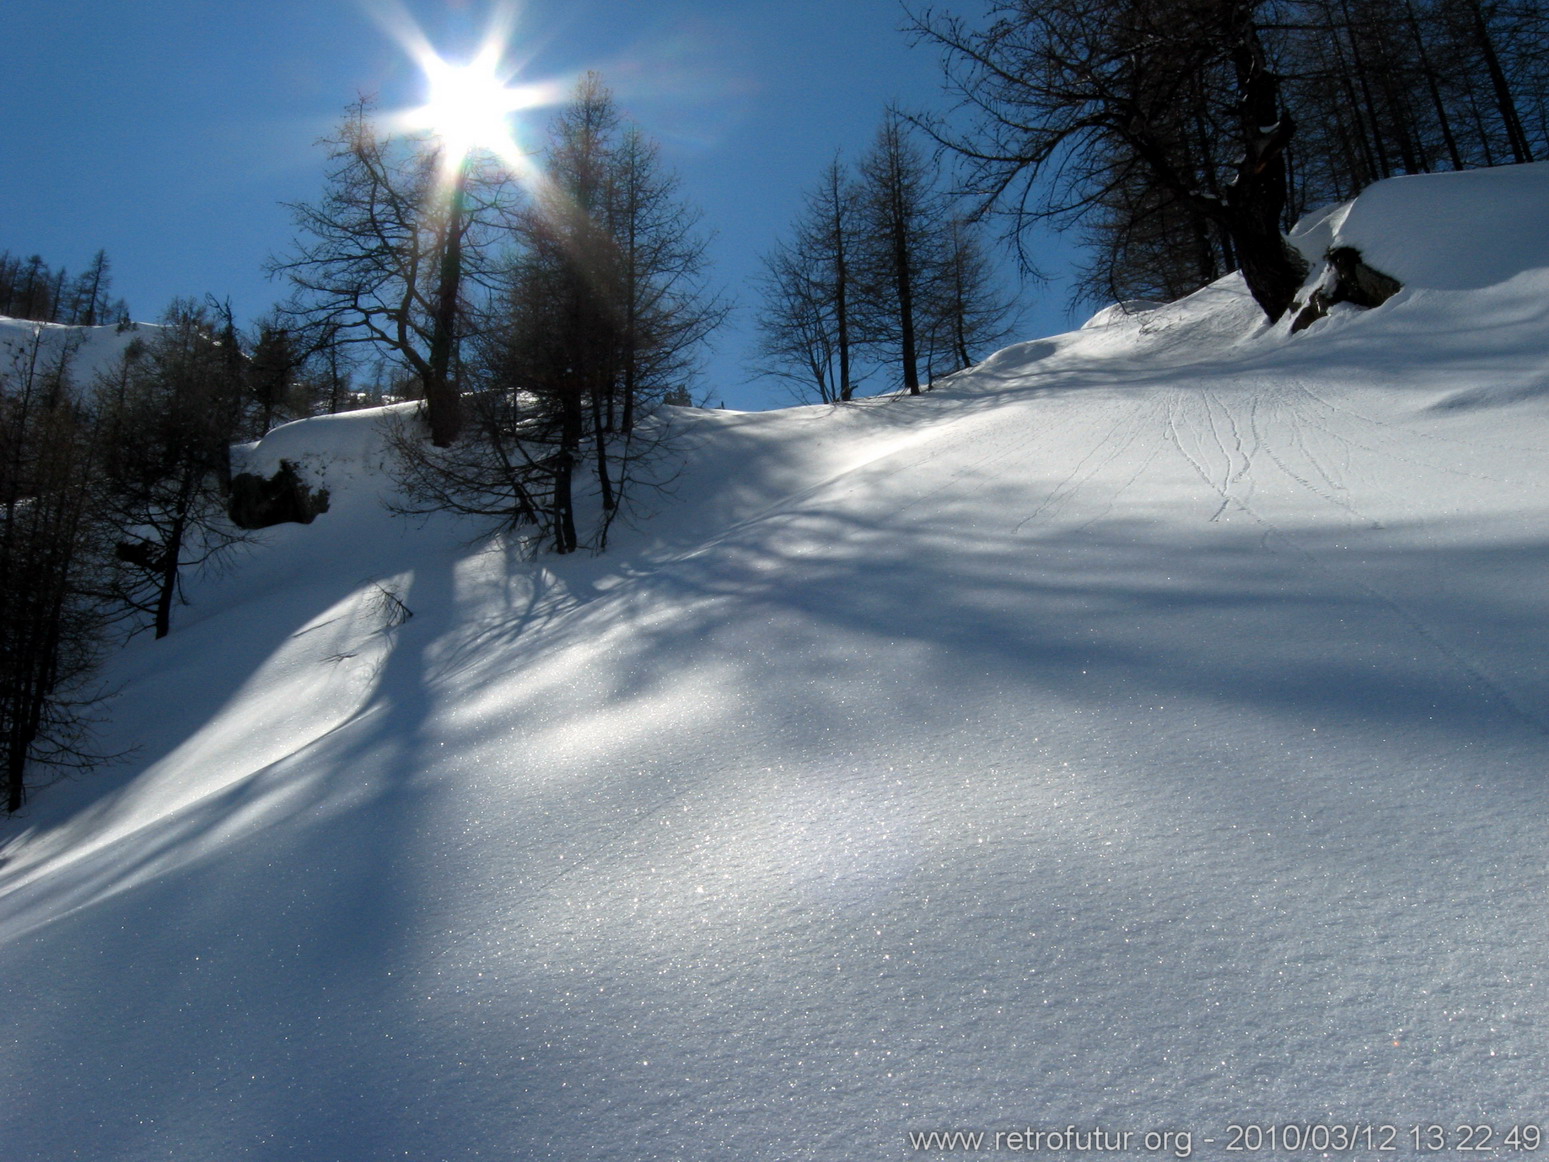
x,y
170,132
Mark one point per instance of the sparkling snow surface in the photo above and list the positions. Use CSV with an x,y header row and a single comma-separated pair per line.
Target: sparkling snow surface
x,y
1147,729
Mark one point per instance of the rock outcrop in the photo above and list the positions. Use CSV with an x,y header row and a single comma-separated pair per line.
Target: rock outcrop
x,y
1346,279
258,502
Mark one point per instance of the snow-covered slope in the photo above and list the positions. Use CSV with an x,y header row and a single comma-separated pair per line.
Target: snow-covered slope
x,y
1144,730
84,350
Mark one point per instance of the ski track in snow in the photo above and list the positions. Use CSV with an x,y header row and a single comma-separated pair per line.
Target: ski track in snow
x,y
1322,480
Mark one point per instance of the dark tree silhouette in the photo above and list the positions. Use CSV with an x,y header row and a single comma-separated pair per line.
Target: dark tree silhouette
x,y
1070,102
391,254
52,562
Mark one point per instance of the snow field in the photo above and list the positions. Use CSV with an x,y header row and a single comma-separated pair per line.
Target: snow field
x,y
1144,729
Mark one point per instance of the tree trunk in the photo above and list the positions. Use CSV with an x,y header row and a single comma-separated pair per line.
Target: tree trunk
x,y
1433,88
571,425
443,407
903,275
1503,99
841,287
604,482
166,589
1257,196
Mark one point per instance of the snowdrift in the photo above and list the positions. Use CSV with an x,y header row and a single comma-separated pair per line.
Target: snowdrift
x,y
1145,729
1453,231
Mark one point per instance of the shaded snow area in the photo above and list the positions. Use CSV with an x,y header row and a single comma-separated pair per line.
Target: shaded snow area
x,y
1145,730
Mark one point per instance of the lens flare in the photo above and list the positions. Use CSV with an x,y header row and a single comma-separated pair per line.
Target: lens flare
x,y
471,106
468,107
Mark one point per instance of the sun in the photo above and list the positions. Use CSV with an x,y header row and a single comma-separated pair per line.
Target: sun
x,y
469,106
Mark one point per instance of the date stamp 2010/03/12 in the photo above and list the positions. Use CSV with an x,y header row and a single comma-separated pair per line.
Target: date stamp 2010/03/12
x,y
1420,1138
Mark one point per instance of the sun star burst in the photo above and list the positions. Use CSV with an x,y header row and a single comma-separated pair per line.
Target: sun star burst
x,y
470,107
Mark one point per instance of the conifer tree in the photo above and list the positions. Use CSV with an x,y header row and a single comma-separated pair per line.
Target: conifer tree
x,y
809,332
167,432
903,222
966,311
52,563
604,308
394,252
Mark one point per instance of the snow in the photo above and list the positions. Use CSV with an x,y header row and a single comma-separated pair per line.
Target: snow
x,y
89,350
1145,729
1454,231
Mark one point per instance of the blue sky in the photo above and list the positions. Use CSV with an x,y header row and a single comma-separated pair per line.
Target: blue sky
x,y
170,132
